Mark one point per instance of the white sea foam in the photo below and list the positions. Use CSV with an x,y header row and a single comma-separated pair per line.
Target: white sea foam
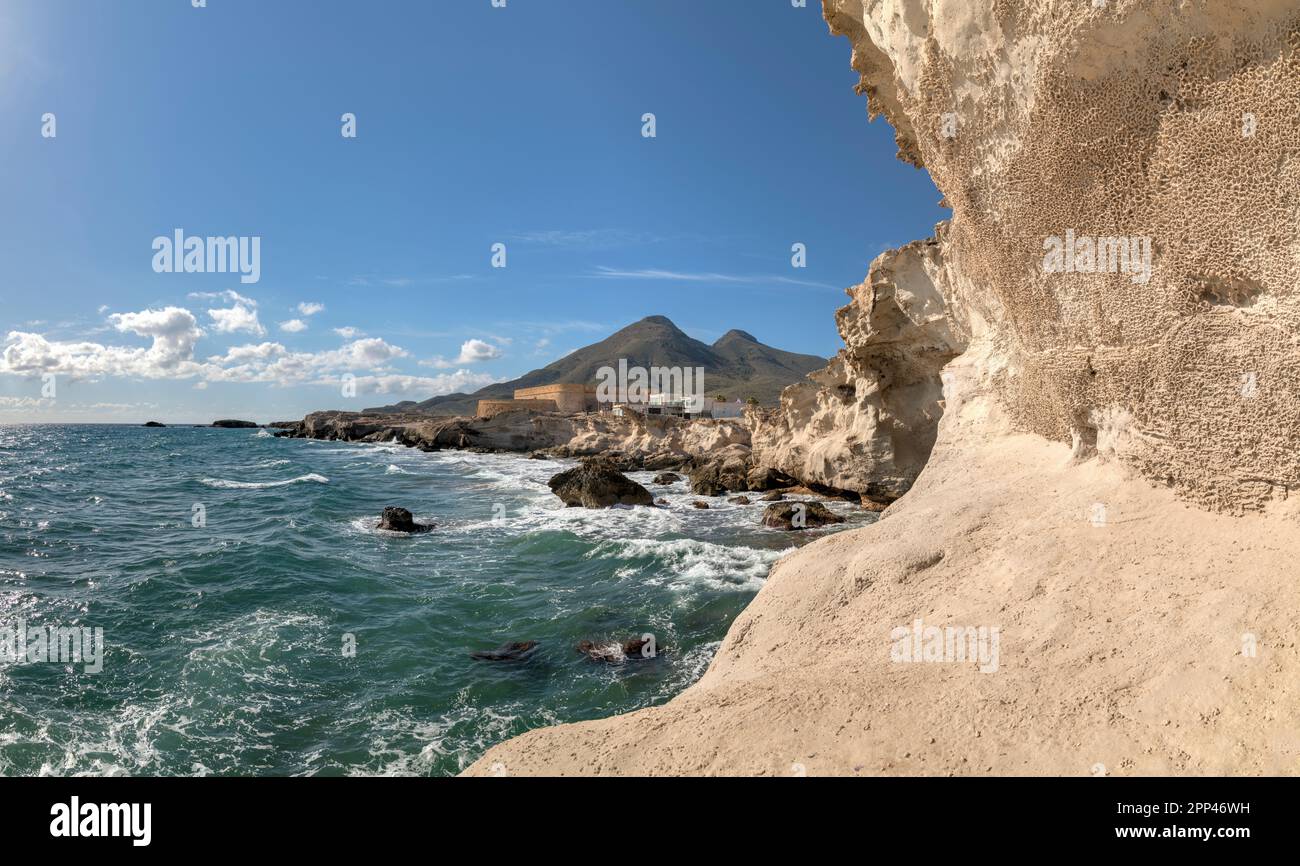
x,y
684,562
261,485
264,434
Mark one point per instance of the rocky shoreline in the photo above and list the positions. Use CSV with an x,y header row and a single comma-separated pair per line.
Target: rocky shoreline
x,y
715,454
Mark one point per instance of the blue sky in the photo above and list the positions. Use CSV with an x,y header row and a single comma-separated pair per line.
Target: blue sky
x,y
474,126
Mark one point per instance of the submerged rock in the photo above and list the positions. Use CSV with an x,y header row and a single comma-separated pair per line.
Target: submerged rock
x,y
595,483
614,651
397,519
798,515
507,652
666,478
739,500
699,504
774,496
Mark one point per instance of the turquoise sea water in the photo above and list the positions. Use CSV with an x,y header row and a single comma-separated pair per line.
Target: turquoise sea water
x,y
225,642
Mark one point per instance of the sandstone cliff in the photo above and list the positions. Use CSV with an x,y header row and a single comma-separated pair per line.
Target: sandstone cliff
x,y
1109,477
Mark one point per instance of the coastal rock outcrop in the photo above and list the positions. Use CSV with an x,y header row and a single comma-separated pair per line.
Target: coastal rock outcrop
x,y
727,471
867,422
231,424
595,483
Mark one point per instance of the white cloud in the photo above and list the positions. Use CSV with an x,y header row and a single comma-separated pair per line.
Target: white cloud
x,y
174,332
309,308
228,295
236,319
471,351
293,326
347,333
603,272
477,350
421,386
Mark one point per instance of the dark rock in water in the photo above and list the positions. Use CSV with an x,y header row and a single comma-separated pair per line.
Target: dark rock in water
x,y
728,472
774,496
699,504
507,652
238,425
595,483
662,502
666,478
614,651
153,424
739,500
798,515
400,520
766,478
538,455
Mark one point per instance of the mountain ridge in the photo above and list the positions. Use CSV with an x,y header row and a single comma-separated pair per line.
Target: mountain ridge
x,y
737,365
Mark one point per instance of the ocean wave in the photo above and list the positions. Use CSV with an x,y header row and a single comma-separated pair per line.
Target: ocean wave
x,y
683,562
264,434
261,485
394,469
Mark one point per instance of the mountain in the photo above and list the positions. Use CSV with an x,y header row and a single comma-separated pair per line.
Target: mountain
x,y
737,366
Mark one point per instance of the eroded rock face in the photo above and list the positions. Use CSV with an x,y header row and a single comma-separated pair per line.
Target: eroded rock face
x,y
1171,125
867,422
595,483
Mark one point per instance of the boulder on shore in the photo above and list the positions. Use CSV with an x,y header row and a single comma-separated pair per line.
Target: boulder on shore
x,y
666,478
238,425
596,483
774,496
798,515
397,519
739,500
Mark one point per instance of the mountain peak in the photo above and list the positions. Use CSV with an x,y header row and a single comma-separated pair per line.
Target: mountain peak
x,y
737,334
657,320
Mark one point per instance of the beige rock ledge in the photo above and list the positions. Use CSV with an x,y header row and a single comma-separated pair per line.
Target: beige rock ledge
x,y
1121,644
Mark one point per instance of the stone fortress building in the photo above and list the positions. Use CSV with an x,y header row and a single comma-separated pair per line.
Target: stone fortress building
x,y
568,399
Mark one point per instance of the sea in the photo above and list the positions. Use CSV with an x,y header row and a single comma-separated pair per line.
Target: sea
x,y
254,622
